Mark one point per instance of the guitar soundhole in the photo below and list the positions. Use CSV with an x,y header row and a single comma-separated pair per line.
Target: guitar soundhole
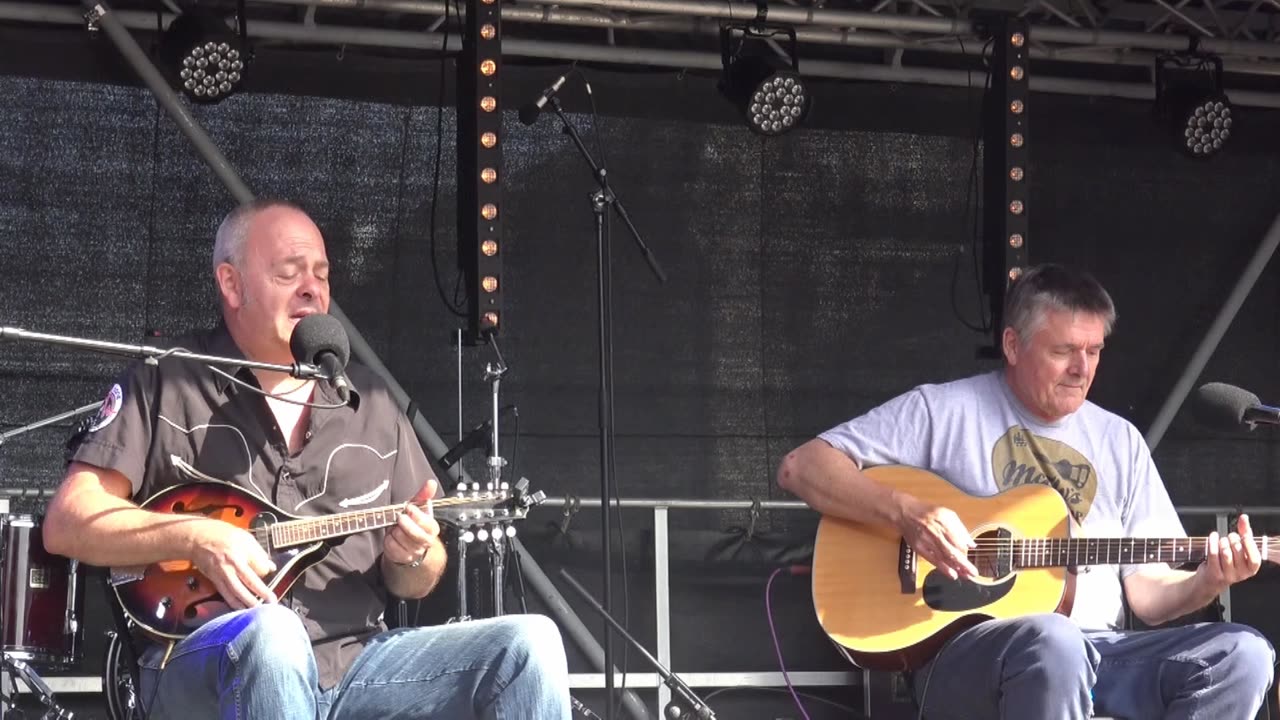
x,y
993,555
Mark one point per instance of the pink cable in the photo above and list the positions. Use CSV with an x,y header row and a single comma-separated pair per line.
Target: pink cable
x,y
768,613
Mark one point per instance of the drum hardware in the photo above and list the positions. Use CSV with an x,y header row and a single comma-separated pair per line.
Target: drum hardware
x,y
41,603
41,597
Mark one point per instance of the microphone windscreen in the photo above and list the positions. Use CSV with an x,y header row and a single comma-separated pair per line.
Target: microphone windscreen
x,y
1221,406
317,333
529,113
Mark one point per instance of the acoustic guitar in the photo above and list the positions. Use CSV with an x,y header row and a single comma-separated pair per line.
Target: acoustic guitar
x,y
171,599
892,610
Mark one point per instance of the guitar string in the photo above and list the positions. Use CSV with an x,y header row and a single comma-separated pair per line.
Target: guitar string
x,y
307,525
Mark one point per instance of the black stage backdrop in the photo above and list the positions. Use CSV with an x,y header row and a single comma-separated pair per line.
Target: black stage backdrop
x,y
812,276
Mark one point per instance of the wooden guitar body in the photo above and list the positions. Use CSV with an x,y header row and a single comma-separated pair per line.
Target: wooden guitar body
x,y
892,610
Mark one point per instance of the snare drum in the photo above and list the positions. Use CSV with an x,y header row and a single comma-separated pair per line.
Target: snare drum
x,y
42,597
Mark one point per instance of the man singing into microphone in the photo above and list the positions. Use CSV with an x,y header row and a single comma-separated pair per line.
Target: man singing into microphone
x,y
322,651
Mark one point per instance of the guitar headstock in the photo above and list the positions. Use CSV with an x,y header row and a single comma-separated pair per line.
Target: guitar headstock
x,y
489,511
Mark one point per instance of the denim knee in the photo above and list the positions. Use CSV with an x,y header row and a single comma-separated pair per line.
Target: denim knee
x,y
1247,660
533,637
269,633
1057,642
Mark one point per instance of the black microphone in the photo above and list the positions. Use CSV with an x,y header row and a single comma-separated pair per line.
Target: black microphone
x,y
320,340
481,434
529,113
1226,407
478,436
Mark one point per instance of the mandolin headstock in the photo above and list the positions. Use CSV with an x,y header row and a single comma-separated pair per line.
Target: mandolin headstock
x,y
487,512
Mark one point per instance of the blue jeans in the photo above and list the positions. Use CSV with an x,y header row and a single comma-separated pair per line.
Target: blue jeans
x,y
1045,667
257,663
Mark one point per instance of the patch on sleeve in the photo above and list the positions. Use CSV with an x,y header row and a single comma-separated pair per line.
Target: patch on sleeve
x,y
109,410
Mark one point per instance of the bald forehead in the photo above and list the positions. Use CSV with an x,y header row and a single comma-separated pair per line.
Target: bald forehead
x,y
276,228
276,221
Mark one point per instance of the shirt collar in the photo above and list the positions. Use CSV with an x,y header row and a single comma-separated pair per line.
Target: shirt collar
x,y
221,344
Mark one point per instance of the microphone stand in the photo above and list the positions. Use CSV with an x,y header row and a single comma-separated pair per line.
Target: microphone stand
x,y
673,711
4,436
152,355
600,199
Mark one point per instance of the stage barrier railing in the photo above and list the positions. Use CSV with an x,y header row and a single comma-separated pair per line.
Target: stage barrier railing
x,y
662,509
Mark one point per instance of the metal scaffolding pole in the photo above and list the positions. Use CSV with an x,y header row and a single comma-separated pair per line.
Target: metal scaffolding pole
x,y
105,18
856,20
1213,336
694,25
675,59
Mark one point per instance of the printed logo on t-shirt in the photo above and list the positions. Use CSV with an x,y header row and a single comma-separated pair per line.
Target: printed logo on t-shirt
x,y
109,409
1021,458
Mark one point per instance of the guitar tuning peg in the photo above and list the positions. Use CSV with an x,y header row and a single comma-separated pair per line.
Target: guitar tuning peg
x,y
468,536
482,535
511,531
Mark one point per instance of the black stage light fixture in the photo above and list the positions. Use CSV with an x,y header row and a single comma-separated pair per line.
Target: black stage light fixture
x,y
481,241
205,59
765,87
1006,166
1191,104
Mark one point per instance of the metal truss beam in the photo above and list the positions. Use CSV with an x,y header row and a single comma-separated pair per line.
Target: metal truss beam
x,y
311,32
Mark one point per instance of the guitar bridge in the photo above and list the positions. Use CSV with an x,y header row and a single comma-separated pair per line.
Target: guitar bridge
x,y
906,567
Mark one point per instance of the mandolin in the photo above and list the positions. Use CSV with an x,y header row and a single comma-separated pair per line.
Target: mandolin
x,y
171,599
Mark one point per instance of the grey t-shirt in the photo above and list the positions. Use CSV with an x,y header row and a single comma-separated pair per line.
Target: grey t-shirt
x,y
976,434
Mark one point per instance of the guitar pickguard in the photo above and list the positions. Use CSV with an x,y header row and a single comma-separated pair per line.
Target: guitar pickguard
x,y
994,562
961,595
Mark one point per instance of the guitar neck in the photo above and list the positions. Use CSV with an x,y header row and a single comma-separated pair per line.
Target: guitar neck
x,y
305,531
1060,552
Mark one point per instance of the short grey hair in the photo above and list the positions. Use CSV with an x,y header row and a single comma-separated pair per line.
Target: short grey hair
x,y
228,247
1047,287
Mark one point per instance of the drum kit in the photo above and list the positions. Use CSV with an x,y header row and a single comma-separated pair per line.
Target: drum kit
x,y
42,623
42,613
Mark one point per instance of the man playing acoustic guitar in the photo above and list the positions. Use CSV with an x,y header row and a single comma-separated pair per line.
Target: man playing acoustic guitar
x,y
1010,432
320,650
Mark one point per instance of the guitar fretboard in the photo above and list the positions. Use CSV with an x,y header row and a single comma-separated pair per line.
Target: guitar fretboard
x,y
309,530
1060,552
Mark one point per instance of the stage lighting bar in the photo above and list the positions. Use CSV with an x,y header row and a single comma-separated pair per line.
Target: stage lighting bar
x,y
1006,161
480,210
